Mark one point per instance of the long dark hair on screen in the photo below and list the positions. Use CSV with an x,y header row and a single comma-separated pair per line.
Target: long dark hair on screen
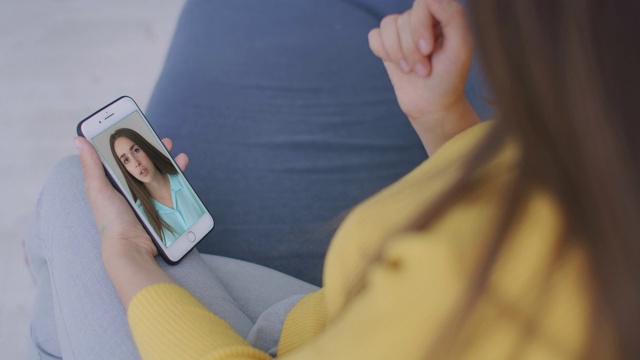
x,y
136,187
565,76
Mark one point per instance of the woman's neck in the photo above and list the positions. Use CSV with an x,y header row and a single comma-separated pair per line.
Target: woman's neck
x,y
160,189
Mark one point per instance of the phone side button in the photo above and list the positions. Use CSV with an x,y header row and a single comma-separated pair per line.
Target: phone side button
x,y
191,236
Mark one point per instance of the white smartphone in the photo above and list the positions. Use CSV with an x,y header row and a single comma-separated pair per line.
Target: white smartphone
x,y
141,169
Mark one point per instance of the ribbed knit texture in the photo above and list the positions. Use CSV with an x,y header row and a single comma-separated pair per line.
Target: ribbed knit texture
x,y
411,293
167,322
303,322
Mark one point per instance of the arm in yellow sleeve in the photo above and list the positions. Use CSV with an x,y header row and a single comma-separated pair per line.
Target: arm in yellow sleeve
x,y
167,322
411,295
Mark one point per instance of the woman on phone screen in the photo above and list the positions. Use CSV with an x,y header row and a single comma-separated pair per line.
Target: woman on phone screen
x,y
155,185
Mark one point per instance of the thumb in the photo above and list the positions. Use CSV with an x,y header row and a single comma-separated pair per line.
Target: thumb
x,y
92,169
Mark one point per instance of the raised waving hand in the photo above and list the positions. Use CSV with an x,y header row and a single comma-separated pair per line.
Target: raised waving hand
x,y
427,52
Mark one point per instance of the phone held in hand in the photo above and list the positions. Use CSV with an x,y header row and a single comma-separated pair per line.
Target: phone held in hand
x,y
141,169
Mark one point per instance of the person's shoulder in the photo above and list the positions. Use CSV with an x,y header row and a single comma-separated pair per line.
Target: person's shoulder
x,y
176,182
463,143
451,160
472,134
531,268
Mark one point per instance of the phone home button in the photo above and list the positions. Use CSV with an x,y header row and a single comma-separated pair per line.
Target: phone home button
x,y
191,236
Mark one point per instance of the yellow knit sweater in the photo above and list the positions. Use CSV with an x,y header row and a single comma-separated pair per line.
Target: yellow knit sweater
x,y
530,309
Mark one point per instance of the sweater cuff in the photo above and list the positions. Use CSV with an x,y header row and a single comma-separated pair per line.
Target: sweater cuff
x,y
167,322
306,320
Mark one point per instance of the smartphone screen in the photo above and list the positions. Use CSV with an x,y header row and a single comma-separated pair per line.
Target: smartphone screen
x,y
145,173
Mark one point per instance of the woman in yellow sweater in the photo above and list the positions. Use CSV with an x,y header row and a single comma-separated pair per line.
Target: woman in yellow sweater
x,y
516,239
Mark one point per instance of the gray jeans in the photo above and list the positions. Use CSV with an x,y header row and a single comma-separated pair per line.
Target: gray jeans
x,y
77,313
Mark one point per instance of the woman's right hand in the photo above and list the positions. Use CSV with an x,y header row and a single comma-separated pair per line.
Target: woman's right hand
x,y
427,52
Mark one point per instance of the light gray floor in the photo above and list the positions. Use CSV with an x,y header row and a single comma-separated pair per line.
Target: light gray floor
x,y
60,61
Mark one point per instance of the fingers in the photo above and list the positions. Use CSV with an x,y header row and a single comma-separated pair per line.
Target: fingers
x,y
391,42
453,23
168,143
395,42
410,40
421,23
182,160
94,176
376,46
417,61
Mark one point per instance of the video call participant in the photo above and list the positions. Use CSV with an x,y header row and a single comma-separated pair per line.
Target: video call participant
x,y
158,190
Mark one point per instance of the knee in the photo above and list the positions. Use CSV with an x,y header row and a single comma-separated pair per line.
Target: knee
x,y
62,216
43,340
66,171
42,348
62,197
64,185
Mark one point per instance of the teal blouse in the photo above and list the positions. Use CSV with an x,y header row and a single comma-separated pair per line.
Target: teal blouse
x,y
187,209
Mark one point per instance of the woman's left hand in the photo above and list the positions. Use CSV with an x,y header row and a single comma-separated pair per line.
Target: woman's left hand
x,y
118,226
127,250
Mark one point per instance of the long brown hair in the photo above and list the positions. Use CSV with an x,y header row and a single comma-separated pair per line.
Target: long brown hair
x,y
136,187
565,76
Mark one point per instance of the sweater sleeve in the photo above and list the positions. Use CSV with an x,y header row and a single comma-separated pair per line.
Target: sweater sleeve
x,y
306,320
400,311
411,296
167,322
394,317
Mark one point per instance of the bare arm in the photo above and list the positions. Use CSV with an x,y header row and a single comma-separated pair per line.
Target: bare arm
x,y
131,270
447,125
